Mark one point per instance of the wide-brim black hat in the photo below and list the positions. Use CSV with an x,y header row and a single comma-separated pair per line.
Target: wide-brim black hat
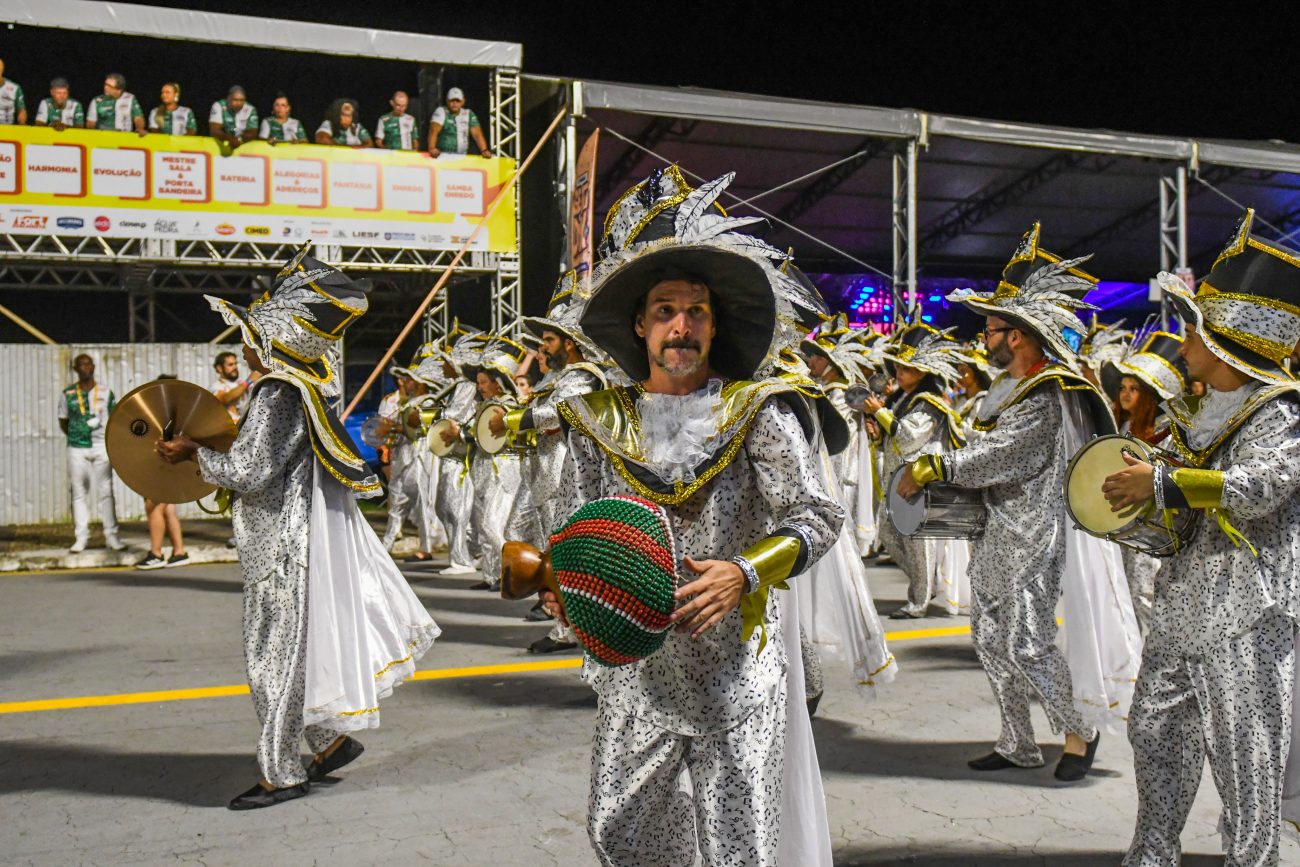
x,y
744,307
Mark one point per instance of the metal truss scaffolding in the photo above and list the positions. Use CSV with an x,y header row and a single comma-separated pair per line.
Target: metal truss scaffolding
x,y
904,278
507,139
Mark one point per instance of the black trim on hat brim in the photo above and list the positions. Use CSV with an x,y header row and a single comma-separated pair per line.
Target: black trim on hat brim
x,y
744,318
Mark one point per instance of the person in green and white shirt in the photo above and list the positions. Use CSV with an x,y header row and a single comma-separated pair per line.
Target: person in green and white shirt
x,y
397,130
57,110
280,127
340,126
233,120
115,108
172,118
13,107
83,409
453,125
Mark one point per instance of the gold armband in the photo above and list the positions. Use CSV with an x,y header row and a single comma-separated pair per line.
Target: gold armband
x,y
887,420
1203,489
927,469
514,418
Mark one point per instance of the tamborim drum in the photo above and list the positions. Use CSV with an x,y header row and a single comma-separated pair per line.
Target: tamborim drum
x,y
453,451
940,511
488,441
1137,527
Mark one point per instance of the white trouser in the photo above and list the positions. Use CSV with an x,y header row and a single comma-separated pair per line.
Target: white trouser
x,y
90,471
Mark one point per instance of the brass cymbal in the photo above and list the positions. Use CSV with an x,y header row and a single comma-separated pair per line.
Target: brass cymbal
x,y
157,410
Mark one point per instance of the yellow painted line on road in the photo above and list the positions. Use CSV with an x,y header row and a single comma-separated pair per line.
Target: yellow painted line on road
x,y
88,701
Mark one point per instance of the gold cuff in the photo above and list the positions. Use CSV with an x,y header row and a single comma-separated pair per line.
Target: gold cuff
x,y
1202,488
514,418
773,558
927,469
886,419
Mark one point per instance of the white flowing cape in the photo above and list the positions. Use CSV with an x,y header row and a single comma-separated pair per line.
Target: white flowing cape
x,y
365,626
1100,637
837,612
805,832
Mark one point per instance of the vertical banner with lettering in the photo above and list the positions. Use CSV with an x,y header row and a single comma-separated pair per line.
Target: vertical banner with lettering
x,y
582,204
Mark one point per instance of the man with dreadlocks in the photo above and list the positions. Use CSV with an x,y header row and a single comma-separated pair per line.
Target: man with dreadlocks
x,y
917,420
692,310
1036,415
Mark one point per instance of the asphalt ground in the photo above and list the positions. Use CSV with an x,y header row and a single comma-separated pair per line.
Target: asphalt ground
x,y
125,728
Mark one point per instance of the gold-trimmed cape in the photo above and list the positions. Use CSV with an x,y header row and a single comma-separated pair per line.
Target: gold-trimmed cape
x,y
330,441
1068,380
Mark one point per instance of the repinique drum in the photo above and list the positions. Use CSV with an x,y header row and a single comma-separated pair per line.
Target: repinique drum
x,y
1137,527
940,511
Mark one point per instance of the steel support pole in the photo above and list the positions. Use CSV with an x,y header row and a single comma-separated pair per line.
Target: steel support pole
x,y
1173,228
903,291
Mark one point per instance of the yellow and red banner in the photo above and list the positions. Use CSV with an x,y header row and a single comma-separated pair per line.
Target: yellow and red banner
x,y
122,185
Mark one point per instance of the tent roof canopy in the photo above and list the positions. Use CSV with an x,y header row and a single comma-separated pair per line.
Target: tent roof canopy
x,y
980,183
128,19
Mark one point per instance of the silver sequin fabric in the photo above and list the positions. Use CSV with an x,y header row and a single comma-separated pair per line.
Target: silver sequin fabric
x,y
702,686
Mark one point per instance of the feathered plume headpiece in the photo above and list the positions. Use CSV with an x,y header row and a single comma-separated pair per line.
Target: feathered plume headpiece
x,y
1039,292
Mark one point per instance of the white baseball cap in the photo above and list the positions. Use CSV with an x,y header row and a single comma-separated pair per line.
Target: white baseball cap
x,y
455,93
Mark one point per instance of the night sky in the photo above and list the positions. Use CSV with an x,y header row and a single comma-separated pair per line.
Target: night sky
x,y
1155,67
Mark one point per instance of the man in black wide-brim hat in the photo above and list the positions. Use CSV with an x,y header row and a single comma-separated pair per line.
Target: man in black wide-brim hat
x,y
691,310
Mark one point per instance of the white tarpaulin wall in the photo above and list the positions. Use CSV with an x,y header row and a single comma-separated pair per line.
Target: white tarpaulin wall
x,y
33,451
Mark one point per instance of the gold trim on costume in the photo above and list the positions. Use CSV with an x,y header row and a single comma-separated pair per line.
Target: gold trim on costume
x,y
1202,488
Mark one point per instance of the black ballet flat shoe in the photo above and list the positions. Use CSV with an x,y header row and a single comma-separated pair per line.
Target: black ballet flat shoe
x,y
993,762
258,797
347,752
1072,768
546,644
537,614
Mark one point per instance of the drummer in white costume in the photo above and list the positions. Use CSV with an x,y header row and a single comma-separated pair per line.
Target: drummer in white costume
x,y
410,497
916,421
1036,413
455,501
572,362
497,477
1149,373
319,657
1218,670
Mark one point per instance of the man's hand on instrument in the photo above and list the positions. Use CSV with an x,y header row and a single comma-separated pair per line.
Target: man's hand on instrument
x,y
449,435
1131,486
385,426
178,448
716,593
497,424
873,404
908,489
551,605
